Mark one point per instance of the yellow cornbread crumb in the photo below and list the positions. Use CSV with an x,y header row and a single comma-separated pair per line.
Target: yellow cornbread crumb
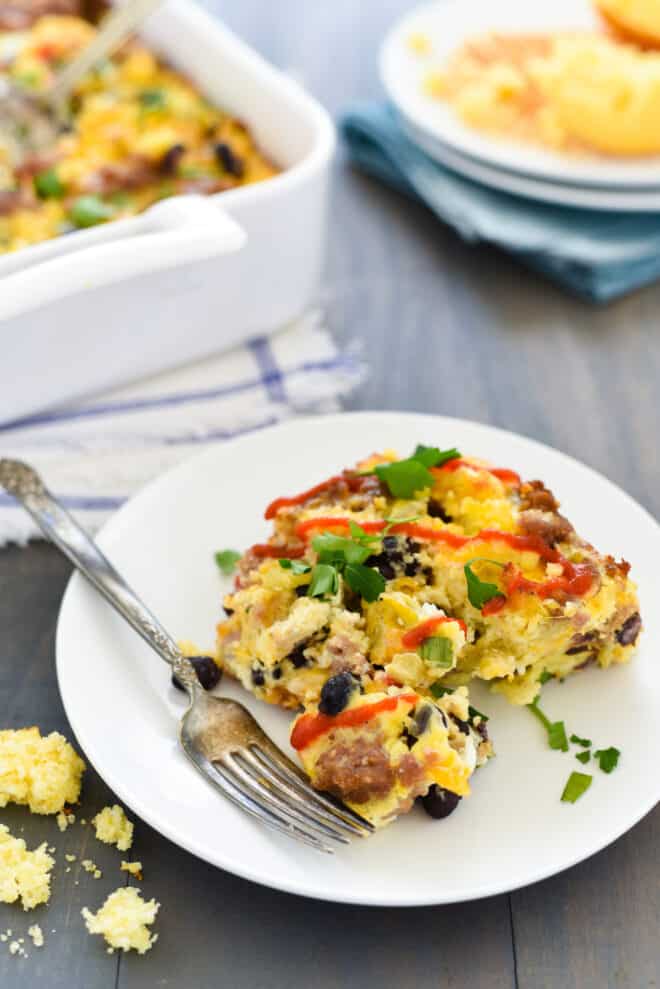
x,y
123,919
24,875
135,868
91,867
37,935
43,773
114,828
65,819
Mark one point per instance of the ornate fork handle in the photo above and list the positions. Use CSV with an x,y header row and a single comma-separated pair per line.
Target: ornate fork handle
x,y
23,483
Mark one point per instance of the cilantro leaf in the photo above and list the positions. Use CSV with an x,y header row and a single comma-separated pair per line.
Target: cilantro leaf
x,y
226,560
405,477
366,581
545,676
361,535
295,566
47,185
556,730
480,591
338,549
608,759
584,742
432,456
583,756
437,650
578,783
439,691
325,580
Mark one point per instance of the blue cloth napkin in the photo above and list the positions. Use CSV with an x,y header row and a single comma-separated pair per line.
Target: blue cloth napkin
x,y
596,254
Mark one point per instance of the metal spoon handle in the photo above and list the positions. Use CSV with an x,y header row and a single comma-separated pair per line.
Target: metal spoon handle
x,y
115,29
23,483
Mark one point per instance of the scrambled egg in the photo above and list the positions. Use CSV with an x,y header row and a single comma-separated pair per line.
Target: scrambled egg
x,y
572,92
365,590
636,20
140,132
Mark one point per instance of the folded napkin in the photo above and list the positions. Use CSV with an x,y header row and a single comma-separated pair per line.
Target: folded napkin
x,y
596,254
95,455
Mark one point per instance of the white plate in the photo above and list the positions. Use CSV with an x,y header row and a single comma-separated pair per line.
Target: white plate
x,y
448,24
560,193
512,831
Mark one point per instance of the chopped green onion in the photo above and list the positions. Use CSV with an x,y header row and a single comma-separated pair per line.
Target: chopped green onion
x,y
153,99
87,211
583,756
578,783
437,650
47,185
545,676
226,560
556,730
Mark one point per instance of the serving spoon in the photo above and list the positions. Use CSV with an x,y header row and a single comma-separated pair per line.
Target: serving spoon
x,y
31,120
219,736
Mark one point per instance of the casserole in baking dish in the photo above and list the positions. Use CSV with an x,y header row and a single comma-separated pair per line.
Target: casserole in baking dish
x,y
122,300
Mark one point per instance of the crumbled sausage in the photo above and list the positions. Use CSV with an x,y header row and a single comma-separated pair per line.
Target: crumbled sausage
x,y
551,527
534,494
355,772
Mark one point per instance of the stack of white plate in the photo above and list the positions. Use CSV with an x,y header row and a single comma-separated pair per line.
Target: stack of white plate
x,y
590,181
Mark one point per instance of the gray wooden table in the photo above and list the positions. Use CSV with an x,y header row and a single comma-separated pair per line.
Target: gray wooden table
x,y
445,328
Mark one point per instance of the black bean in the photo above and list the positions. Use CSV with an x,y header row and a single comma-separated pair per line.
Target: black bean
x,y
208,673
439,803
409,739
301,590
297,656
228,612
436,511
422,718
411,568
482,730
462,726
170,160
229,160
627,634
335,694
277,673
412,546
258,678
390,544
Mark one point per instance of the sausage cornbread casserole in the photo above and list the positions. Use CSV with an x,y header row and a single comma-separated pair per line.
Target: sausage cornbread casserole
x,y
139,132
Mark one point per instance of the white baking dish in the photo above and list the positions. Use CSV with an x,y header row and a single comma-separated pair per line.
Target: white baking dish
x,y
190,276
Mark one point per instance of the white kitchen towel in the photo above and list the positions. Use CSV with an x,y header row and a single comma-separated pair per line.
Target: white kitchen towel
x,y
95,454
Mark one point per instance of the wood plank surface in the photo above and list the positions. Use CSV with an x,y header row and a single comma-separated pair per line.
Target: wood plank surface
x,y
446,328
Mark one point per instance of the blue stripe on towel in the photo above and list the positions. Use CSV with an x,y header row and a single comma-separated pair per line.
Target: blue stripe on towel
x,y
184,398
270,372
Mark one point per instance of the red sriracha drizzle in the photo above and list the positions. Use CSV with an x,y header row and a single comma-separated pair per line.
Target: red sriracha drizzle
x,y
415,636
353,481
502,473
308,728
575,580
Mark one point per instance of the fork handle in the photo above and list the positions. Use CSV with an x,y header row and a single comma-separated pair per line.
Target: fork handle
x,y
23,483
117,26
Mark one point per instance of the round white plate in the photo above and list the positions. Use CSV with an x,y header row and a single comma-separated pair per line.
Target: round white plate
x,y
560,193
513,830
448,24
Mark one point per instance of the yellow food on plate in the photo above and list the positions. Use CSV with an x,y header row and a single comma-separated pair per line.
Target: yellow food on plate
x,y
573,92
43,772
140,132
24,874
605,95
395,571
635,20
114,828
379,751
124,920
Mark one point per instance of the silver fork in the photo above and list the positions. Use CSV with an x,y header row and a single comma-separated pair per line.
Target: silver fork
x,y
220,737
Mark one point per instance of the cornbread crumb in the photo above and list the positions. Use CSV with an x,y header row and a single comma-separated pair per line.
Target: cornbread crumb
x,y
70,858
24,875
65,818
37,935
123,920
135,868
91,867
114,828
15,949
44,773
